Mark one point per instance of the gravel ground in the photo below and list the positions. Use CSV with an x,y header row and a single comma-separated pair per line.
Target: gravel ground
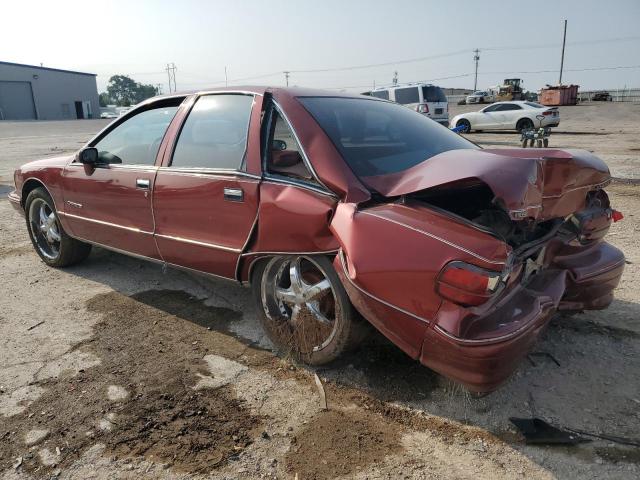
x,y
114,369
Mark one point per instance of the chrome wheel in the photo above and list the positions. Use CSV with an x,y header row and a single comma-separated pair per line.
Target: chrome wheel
x,y
300,303
45,229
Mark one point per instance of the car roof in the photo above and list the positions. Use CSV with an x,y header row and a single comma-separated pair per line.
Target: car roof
x,y
261,90
391,87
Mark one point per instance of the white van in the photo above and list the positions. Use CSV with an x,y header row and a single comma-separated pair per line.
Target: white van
x,y
424,98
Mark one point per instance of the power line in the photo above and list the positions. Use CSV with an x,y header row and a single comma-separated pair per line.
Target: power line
x,y
385,64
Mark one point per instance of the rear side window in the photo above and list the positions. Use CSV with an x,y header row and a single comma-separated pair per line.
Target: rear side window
x,y
404,96
215,133
384,94
285,155
433,94
378,138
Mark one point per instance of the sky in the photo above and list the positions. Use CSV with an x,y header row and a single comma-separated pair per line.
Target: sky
x,y
258,40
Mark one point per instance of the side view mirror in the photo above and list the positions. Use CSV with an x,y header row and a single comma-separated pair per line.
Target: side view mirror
x,y
88,156
279,145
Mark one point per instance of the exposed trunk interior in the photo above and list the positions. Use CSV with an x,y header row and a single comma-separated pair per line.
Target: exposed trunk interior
x,y
474,202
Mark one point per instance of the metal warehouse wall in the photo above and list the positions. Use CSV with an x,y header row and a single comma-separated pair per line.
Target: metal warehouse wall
x,y
54,93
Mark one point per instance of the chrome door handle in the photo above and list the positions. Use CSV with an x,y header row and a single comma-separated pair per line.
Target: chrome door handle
x,y
142,183
233,194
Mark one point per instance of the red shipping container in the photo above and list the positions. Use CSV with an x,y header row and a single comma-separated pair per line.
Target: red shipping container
x,y
559,95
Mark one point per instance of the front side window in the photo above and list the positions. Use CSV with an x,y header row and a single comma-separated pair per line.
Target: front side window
x,y
136,141
285,155
491,108
214,134
378,138
405,96
508,107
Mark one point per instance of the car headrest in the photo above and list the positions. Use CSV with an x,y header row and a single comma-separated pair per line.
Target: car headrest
x,y
285,158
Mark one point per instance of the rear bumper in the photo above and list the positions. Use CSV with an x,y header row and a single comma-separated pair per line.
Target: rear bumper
x,y
14,200
584,281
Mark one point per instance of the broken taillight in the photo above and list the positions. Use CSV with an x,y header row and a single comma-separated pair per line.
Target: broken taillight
x,y
466,284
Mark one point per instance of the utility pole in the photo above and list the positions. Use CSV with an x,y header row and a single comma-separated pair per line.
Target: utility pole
x,y
286,77
171,74
564,40
476,58
226,80
158,89
395,77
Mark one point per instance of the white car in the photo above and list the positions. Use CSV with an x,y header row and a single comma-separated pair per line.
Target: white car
x,y
481,96
108,115
514,115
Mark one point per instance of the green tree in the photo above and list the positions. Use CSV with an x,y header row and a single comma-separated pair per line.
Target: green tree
x,y
145,91
125,91
104,99
122,90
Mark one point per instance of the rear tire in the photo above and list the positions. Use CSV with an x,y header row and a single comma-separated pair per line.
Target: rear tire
x,y
321,329
524,124
51,242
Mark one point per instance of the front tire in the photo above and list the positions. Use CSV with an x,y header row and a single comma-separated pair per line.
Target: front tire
x,y
304,308
465,124
51,242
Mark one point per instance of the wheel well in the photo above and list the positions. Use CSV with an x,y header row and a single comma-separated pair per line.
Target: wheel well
x,y
462,120
28,186
252,267
257,261
524,119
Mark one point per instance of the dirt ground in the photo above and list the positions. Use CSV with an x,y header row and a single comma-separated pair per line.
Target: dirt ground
x,y
114,369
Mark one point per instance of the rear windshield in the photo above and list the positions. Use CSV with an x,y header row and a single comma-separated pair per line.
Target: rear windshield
x,y
433,94
534,104
378,138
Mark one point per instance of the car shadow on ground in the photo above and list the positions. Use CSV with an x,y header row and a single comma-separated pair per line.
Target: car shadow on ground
x,y
582,374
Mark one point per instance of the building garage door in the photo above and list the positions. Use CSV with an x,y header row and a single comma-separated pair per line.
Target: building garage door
x,y
16,101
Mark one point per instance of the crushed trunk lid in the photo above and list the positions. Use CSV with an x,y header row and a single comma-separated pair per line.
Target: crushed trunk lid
x,y
528,184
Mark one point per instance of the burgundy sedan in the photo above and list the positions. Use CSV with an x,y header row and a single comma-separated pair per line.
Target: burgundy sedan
x,y
336,208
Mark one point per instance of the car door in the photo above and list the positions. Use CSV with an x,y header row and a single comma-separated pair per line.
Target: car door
x,y
204,202
509,113
487,118
110,203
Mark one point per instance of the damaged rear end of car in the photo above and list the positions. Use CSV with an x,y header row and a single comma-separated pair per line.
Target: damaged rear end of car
x,y
464,258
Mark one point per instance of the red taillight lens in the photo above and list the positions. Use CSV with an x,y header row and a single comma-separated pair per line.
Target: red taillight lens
x,y
467,284
422,108
547,113
616,216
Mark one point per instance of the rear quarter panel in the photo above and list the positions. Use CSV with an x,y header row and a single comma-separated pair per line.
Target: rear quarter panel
x,y
392,254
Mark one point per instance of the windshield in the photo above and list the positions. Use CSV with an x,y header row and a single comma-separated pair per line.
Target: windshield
x,y
376,137
433,94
